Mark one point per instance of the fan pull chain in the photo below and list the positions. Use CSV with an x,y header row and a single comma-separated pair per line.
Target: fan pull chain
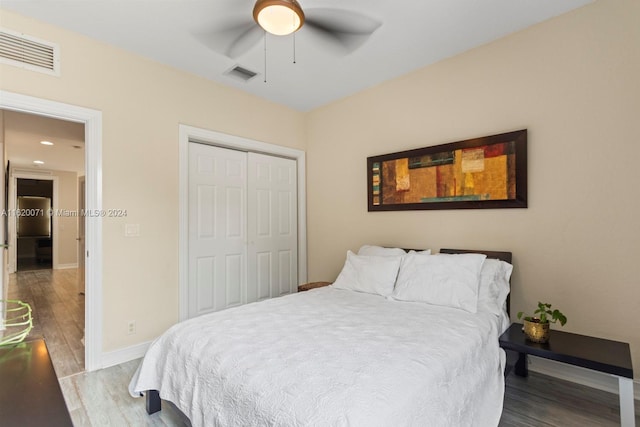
x,y
293,25
265,56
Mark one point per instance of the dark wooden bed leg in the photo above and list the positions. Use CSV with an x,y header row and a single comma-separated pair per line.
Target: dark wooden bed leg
x,y
153,402
521,368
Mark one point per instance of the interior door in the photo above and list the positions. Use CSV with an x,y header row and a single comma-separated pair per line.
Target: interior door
x,y
217,228
272,227
81,238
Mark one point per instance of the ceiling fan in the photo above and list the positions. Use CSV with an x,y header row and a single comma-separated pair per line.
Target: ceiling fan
x,y
342,29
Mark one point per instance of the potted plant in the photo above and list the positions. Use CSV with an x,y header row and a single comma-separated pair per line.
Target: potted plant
x,y
536,327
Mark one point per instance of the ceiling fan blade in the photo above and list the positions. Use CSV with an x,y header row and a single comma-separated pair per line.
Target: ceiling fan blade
x,y
345,28
245,41
342,21
233,40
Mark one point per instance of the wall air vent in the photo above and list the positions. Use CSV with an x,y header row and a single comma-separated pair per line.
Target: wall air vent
x,y
241,73
29,52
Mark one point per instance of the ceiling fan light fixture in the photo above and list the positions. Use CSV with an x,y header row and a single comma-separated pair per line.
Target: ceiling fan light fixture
x,y
279,17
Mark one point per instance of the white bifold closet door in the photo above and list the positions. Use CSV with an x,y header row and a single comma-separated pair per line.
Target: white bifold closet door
x,y
243,243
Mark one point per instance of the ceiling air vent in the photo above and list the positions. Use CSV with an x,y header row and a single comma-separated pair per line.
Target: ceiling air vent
x,y
241,73
28,52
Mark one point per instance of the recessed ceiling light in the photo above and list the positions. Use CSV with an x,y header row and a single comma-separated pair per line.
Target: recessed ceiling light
x,y
46,142
38,162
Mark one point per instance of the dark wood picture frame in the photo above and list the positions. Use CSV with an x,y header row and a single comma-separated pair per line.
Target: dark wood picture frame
x,y
456,175
6,205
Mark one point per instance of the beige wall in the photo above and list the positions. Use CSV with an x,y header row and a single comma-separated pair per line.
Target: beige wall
x,y
67,229
142,104
574,83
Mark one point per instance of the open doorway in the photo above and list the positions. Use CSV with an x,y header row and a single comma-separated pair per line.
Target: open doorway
x,y
46,159
34,228
92,120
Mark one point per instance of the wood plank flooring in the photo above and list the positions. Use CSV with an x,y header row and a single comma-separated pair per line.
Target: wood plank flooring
x,y
58,314
101,398
543,401
28,264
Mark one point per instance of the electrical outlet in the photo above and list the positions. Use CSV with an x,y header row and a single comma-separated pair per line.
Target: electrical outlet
x,y
131,327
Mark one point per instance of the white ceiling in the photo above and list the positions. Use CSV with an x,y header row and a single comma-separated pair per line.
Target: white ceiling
x,y
23,133
189,34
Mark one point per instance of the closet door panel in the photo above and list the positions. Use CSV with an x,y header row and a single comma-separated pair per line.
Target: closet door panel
x,y
234,276
263,213
272,226
263,275
285,276
243,234
206,196
217,228
205,272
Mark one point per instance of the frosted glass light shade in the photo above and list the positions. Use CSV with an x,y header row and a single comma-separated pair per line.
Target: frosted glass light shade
x,y
279,17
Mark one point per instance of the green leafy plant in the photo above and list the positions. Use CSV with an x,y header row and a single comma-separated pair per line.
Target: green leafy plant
x,y
544,314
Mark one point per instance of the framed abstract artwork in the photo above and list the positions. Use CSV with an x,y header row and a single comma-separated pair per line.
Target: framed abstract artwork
x,y
480,173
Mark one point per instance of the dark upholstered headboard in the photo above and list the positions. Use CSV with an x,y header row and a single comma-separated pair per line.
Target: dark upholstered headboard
x,y
503,256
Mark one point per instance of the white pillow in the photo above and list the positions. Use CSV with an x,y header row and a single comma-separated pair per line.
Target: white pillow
x,y
494,286
443,279
370,250
370,274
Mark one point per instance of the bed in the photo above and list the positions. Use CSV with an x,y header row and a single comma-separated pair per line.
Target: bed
x,y
338,356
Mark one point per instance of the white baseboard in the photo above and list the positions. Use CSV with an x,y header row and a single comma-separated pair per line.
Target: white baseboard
x,y
65,266
579,375
116,357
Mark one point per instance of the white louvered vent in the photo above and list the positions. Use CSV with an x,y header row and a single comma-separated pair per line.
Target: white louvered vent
x,y
28,52
30,171
241,73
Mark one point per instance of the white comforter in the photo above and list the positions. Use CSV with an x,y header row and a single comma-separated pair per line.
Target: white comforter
x,y
330,357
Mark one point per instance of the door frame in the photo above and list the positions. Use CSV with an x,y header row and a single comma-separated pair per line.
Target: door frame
x,y
189,134
13,201
92,120
81,238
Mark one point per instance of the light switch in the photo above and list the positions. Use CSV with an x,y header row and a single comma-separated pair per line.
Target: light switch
x,y
132,230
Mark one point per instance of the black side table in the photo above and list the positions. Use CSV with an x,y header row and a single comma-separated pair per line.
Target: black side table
x,y
611,357
30,394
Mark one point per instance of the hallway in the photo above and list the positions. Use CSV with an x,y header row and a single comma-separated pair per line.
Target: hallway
x,y
58,314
